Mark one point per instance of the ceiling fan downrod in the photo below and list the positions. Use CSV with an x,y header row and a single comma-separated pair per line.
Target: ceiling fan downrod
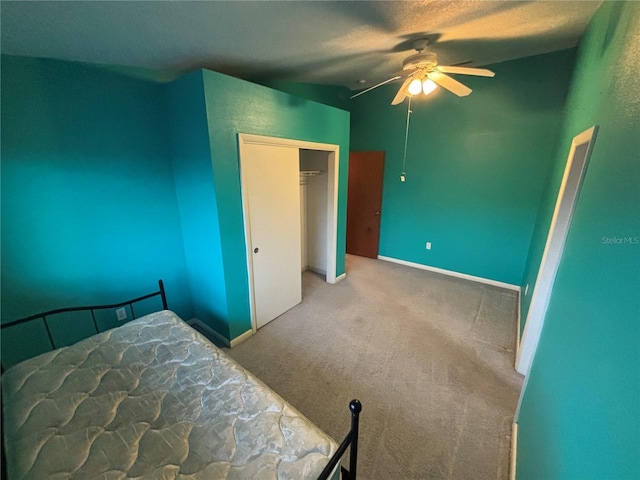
x,y
422,59
420,44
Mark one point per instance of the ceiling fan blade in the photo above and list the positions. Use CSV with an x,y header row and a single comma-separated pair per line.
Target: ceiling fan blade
x,y
392,79
402,93
479,72
450,84
459,64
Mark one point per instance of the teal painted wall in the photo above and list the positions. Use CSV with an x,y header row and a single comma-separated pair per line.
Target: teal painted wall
x,y
332,95
236,106
580,414
476,166
89,213
197,202
109,181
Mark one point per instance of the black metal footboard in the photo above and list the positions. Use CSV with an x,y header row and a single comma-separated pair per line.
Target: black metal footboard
x,y
351,439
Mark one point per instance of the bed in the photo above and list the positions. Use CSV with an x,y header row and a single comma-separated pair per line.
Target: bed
x,y
154,399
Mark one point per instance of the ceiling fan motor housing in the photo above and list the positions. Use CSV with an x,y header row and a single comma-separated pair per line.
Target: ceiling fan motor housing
x,y
426,60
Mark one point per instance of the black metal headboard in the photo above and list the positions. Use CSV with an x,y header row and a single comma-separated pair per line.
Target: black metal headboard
x,y
91,308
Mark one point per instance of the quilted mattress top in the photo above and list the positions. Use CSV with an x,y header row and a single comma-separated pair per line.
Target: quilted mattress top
x,y
151,399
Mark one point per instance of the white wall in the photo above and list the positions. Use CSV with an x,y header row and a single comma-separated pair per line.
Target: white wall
x,y
304,262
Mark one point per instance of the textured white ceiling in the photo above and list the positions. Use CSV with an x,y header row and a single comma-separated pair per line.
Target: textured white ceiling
x,y
318,42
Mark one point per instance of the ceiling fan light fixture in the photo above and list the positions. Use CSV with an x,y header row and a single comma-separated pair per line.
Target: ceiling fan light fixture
x,y
415,87
428,86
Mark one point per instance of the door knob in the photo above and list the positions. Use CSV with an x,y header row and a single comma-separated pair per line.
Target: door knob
x,y
256,250
377,213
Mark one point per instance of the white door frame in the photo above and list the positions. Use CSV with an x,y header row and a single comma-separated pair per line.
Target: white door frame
x,y
333,163
558,230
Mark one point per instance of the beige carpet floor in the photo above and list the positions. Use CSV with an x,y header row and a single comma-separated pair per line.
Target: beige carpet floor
x,y
429,356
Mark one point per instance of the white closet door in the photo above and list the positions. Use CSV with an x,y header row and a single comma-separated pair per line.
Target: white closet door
x,y
272,190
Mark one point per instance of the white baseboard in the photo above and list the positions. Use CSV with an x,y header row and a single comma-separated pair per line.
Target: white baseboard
x,y
223,340
451,273
210,331
341,277
514,451
319,271
241,338
519,307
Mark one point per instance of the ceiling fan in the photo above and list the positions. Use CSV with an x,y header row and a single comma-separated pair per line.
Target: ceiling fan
x,y
422,74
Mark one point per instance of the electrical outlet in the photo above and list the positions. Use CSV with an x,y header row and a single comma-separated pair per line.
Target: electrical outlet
x,y
121,313
428,246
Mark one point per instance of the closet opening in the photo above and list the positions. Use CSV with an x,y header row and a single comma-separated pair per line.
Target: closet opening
x,y
314,214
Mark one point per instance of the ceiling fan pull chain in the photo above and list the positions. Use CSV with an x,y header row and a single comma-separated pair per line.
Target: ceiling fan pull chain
x,y
406,138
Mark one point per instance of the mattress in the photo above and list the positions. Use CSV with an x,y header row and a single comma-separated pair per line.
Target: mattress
x,y
152,399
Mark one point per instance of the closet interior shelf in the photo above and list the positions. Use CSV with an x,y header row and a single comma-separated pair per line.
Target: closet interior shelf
x,y
310,173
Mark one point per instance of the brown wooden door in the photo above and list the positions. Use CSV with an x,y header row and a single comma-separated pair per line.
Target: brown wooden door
x,y
364,203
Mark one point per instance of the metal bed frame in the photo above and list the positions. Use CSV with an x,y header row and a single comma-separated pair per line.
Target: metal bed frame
x,y
92,309
351,439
